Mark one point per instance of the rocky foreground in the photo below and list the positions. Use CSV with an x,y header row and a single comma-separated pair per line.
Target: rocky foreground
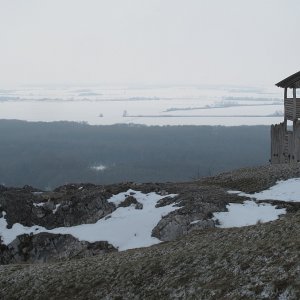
x,y
197,261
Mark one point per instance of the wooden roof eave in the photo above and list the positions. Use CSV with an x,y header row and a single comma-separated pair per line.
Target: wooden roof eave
x,y
292,81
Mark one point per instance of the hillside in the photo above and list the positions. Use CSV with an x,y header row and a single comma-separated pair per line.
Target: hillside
x,y
198,260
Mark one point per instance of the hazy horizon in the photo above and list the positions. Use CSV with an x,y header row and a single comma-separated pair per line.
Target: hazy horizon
x,y
142,42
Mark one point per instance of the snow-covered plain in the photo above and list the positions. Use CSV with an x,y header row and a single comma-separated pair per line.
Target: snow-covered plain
x,y
126,228
250,212
156,105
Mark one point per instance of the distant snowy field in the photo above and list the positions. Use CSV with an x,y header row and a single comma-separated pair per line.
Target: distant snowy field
x,y
165,105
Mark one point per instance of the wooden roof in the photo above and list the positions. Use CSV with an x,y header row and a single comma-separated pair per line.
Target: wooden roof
x,y
292,81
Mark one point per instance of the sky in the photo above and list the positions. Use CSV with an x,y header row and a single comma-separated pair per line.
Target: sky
x,y
207,42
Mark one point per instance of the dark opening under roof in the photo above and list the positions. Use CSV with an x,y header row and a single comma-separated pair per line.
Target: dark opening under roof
x,y
292,81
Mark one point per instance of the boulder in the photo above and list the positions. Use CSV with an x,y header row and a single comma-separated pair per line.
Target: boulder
x,y
46,247
130,200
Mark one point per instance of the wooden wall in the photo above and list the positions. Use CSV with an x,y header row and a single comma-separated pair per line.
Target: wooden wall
x,y
285,145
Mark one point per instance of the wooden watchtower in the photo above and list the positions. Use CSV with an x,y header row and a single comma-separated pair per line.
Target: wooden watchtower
x,y
285,137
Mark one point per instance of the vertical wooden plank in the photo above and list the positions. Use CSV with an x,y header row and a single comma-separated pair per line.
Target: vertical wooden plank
x,y
297,141
285,93
280,144
294,104
273,144
284,106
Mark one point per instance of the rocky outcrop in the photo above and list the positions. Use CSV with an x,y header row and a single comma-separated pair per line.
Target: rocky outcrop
x,y
46,247
175,226
66,206
197,204
130,200
75,204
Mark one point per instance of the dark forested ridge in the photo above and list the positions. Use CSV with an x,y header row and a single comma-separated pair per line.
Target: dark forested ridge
x,y
46,155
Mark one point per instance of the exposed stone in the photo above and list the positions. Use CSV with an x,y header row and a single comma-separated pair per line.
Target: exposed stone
x,y
128,201
139,206
163,193
49,205
174,226
165,201
46,247
40,213
76,204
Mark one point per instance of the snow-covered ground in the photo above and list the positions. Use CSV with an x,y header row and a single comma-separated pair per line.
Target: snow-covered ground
x,y
250,212
164,105
247,213
288,190
126,228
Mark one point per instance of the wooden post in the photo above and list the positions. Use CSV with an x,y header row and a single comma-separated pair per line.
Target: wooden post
x,y
284,104
285,93
294,103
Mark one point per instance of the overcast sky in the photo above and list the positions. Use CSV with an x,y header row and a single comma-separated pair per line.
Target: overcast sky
x,y
238,42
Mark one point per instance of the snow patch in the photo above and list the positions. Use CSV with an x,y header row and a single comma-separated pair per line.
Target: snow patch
x,y
284,190
247,213
250,212
41,204
195,222
127,227
56,208
234,192
8,235
117,199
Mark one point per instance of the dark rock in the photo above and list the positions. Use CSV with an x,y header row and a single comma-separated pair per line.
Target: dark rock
x,y
76,207
163,193
49,205
139,206
2,188
196,203
165,201
128,201
46,247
